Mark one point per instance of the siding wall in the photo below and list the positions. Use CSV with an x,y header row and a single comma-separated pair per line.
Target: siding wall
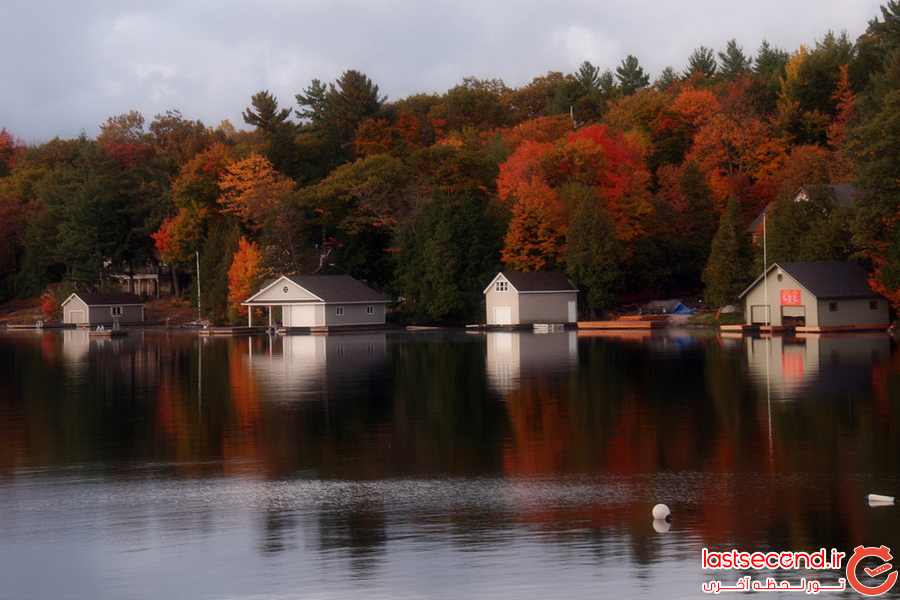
x,y
77,312
853,312
546,308
354,314
102,315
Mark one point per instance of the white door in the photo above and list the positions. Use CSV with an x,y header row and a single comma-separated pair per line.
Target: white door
x,y
502,315
573,311
303,315
76,316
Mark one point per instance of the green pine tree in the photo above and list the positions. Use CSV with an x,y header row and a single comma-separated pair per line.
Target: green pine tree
x,y
593,254
727,270
631,75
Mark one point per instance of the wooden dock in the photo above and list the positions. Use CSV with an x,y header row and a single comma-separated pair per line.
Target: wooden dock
x,y
640,324
738,328
236,330
841,328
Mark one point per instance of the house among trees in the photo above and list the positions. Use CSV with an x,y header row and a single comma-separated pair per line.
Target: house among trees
x,y
150,281
815,297
521,298
81,308
842,195
319,301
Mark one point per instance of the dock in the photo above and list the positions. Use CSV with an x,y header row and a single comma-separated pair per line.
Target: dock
x,y
738,328
236,330
624,323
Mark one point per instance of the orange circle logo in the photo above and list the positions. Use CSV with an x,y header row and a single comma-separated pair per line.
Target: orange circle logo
x,y
882,553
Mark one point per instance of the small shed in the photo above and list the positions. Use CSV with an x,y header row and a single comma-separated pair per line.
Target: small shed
x,y
81,308
520,298
815,296
319,301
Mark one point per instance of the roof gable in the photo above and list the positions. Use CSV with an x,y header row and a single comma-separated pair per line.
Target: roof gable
x,y
525,282
283,289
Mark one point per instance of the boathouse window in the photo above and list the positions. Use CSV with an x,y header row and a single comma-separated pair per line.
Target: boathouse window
x,y
873,304
116,311
780,277
370,310
502,286
339,311
832,306
285,289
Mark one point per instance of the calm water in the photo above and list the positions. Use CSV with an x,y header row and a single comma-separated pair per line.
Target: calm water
x,y
432,465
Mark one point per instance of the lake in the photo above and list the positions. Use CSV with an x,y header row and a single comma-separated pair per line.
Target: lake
x,y
437,464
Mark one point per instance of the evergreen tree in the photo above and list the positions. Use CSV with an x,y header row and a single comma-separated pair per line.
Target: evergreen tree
x,y
215,260
770,61
702,62
263,113
593,254
697,225
727,270
588,77
667,77
631,75
447,253
733,61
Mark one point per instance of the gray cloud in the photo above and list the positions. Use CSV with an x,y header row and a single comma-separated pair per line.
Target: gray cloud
x,y
69,65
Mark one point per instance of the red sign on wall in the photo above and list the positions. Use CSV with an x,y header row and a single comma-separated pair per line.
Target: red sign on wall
x,y
791,298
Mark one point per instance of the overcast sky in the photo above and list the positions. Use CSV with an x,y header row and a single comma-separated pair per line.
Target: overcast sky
x,y
67,65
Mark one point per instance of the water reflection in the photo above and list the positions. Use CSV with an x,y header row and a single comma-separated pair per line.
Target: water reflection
x,y
831,364
440,464
514,355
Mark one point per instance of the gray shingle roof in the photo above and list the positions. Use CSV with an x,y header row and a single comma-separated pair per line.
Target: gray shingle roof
x,y
338,288
827,279
831,279
104,299
539,281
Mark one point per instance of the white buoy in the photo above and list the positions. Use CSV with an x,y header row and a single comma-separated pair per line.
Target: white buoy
x,y
661,512
879,499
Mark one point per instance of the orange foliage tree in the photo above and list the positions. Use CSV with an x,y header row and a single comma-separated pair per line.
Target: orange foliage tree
x,y
243,276
251,189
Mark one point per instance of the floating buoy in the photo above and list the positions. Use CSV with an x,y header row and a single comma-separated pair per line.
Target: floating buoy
x,y
878,499
661,512
661,526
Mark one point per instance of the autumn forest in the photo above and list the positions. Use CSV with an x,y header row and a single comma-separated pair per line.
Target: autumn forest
x,y
637,186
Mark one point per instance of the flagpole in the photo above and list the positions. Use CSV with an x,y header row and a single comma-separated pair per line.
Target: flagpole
x,y
765,273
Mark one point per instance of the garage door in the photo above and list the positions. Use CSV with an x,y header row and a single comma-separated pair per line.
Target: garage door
x,y
502,315
302,316
75,316
758,313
